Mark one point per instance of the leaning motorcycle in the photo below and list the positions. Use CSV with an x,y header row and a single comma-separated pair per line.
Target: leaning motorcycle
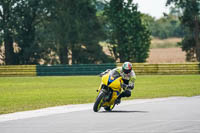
x,y
110,88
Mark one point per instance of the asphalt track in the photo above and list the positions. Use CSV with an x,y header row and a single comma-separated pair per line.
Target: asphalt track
x,y
165,115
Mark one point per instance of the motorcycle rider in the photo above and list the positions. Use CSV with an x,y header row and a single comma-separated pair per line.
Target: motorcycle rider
x,y
128,76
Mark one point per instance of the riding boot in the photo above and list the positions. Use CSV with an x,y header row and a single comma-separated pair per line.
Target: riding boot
x,y
118,100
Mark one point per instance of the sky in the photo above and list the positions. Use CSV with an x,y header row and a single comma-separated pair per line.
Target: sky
x,y
154,8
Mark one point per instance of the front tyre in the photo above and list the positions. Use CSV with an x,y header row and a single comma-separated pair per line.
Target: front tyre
x,y
109,108
99,102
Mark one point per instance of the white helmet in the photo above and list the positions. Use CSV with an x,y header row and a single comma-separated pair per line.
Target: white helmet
x,y
127,67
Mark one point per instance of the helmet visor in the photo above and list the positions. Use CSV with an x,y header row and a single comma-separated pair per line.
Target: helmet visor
x,y
126,71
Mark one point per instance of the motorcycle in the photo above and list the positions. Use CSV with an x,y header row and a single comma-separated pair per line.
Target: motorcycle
x,y
110,88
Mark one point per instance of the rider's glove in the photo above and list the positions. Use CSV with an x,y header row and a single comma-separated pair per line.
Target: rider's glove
x,y
103,73
131,87
124,86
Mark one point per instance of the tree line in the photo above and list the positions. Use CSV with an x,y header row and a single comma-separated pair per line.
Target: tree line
x,y
69,31
66,31
52,31
165,27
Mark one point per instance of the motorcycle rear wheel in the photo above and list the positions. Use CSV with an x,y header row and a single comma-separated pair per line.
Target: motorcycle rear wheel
x,y
99,102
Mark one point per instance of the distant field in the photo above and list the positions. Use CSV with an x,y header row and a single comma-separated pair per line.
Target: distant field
x,y
166,51
28,93
166,55
165,43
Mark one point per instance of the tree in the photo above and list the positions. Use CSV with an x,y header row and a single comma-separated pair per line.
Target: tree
x,y
6,29
168,26
30,15
190,19
165,27
128,36
19,21
77,32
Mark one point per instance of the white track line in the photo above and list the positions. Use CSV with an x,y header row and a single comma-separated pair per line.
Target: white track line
x,y
70,108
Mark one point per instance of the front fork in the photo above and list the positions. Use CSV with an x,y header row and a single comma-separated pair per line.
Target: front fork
x,y
107,93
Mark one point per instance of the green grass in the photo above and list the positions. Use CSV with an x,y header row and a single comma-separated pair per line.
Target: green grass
x,y
28,93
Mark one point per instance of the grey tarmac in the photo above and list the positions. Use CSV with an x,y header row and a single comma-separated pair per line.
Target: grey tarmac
x,y
164,115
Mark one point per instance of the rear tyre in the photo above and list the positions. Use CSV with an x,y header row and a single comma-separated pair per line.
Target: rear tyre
x,y
99,102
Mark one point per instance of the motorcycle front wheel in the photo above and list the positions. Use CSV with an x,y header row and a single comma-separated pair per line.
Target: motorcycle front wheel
x,y
99,102
109,108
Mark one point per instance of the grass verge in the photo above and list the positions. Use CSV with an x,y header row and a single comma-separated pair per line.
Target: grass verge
x,y
28,93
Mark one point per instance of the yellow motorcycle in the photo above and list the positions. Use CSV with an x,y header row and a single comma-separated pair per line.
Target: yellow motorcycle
x,y
108,92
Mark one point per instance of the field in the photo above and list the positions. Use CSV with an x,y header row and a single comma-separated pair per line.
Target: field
x,y
165,43
166,55
28,93
166,51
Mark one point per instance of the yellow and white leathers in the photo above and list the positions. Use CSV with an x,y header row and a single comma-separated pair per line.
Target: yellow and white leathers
x,y
130,77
